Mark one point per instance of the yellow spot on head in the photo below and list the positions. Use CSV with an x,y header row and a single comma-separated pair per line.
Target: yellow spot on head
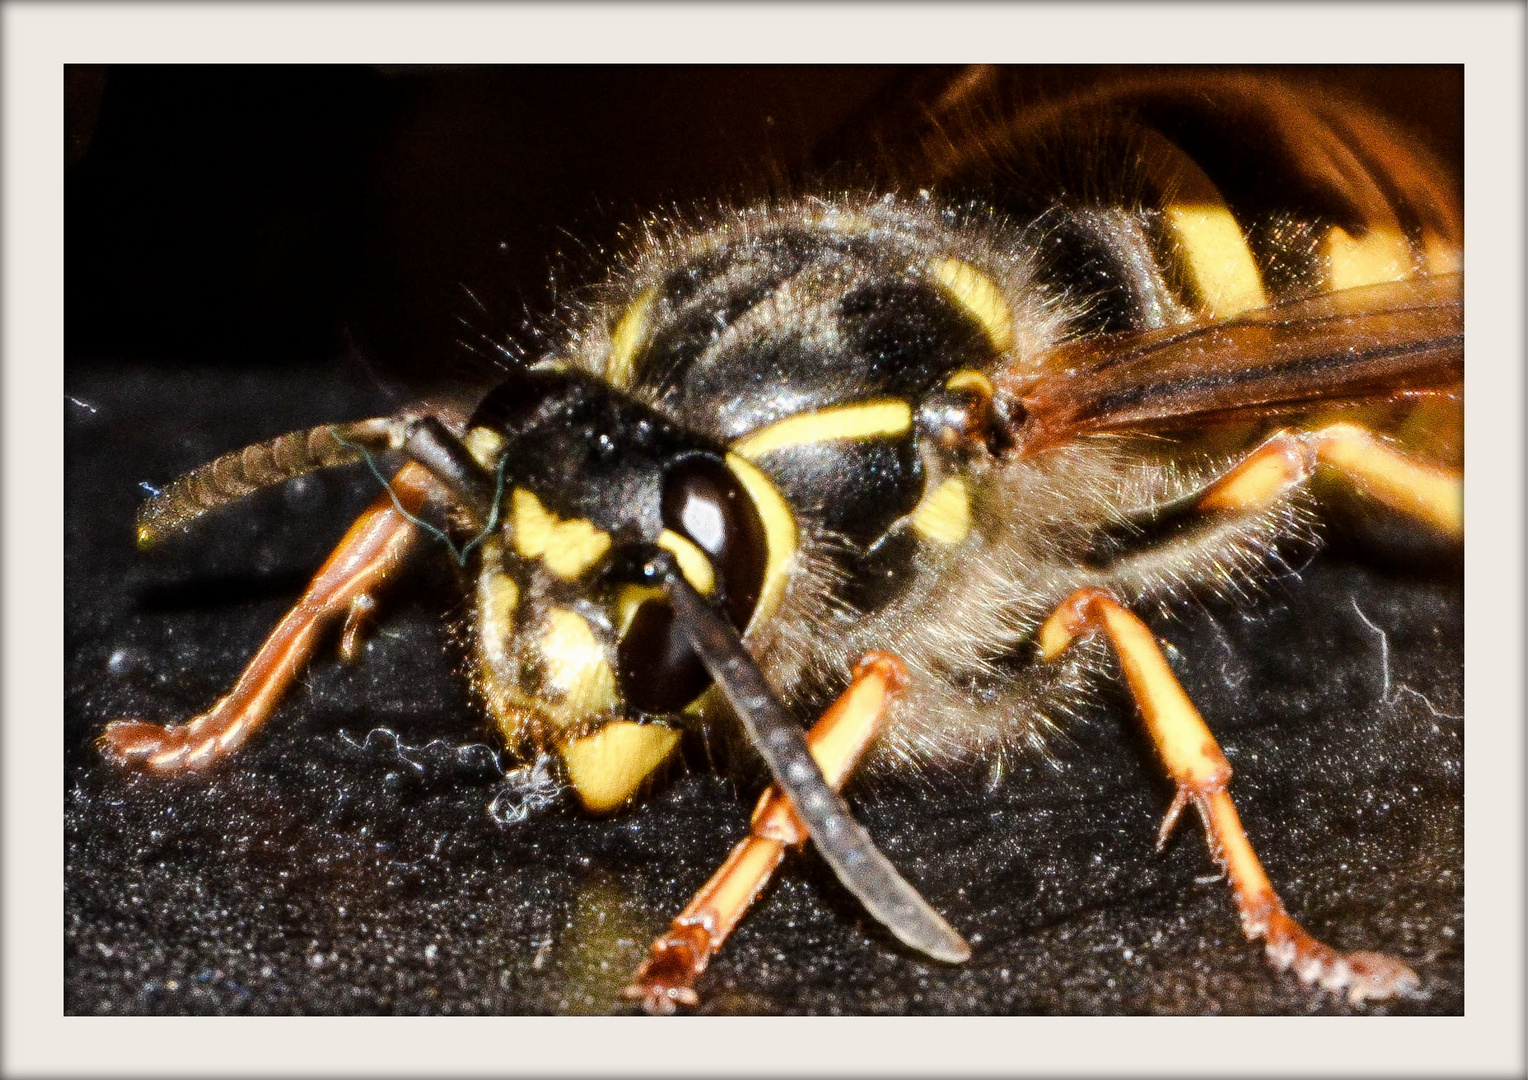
x,y
1382,255
498,599
863,420
780,536
568,547
608,767
629,600
626,339
1219,260
484,445
573,663
981,298
693,562
944,514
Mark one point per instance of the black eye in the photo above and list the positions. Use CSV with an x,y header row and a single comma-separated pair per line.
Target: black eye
x,y
659,672
704,503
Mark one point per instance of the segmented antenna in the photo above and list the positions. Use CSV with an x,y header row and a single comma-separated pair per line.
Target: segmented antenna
x,y
237,474
843,842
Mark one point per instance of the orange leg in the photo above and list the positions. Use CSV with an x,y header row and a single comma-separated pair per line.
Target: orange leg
x,y
666,979
367,556
1429,493
1196,765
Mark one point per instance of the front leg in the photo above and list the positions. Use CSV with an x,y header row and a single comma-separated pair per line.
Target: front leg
x,y
367,557
1196,765
667,978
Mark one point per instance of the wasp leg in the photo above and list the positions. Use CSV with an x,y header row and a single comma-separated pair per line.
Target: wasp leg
x,y
366,557
666,979
1430,493
1201,772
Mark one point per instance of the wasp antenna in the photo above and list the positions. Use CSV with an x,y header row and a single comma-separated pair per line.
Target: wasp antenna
x,y
429,442
842,841
237,474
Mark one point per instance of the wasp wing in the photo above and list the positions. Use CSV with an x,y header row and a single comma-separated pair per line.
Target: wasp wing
x,y
1355,345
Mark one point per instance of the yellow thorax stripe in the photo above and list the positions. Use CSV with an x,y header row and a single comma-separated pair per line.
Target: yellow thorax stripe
x,y
967,379
626,338
944,514
980,296
861,420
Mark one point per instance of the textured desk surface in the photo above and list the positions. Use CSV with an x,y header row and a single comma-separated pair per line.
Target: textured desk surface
x,y
348,864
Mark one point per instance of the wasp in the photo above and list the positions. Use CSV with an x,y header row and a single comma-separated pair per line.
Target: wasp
x,y
880,480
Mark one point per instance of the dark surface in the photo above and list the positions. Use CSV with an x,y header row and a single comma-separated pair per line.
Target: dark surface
x,y
315,875
255,250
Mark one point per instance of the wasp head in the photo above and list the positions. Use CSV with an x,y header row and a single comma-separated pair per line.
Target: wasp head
x,y
571,641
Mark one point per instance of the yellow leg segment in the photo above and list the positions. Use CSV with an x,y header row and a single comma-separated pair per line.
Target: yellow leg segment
x,y
666,979
1429,493
1196,765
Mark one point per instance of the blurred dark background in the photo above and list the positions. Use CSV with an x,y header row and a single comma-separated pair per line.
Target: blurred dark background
x,y
246,216
254,250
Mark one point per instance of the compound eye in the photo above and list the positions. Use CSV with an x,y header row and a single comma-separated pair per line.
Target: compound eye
x,y
704,503
659,672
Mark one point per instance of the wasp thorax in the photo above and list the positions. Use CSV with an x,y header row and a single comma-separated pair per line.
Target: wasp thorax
x,y
775,379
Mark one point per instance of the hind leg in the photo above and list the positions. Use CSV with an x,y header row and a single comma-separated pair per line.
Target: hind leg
x,y
1431,494
1200,771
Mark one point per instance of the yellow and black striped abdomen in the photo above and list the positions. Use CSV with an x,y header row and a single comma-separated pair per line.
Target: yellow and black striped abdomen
x,y
1205,196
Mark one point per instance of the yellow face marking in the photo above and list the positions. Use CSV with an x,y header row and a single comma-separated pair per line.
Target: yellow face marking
x,y
632,597
626,339
981,298
970,380
1382,255
484,445
693,562
574,665
780,536
1219,261
608,767
944,514
498,597
863,420
567,547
